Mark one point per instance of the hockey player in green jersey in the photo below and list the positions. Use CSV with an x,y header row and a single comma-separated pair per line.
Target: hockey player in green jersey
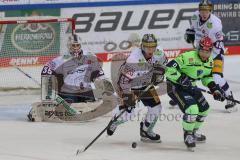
x,y
182,74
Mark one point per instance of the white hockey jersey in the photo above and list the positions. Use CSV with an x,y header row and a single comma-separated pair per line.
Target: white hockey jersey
x,y
76,73
137,72
211,28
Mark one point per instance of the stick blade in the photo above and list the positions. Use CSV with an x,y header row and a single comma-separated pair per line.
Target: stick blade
x,y
79,151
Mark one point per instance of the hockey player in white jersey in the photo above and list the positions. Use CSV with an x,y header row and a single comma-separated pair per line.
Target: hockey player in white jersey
x,y
204,23
138,75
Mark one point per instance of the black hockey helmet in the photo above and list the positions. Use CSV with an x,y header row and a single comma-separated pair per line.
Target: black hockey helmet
x,y
205,5
149,40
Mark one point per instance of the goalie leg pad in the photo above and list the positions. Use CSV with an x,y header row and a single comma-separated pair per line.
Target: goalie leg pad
x,y
48,88
36,113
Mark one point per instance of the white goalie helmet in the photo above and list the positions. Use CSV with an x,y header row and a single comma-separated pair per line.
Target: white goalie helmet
x,y
74,46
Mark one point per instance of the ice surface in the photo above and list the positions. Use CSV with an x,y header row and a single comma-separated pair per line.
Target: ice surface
x,y
22,140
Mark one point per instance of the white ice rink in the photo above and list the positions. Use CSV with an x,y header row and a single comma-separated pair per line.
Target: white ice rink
x,y
22,140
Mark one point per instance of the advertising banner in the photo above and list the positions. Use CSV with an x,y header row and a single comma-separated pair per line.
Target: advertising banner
x,y
229,13
26,44
110,29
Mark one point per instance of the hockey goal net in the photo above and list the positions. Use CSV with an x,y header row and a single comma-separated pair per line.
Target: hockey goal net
x,y
26,44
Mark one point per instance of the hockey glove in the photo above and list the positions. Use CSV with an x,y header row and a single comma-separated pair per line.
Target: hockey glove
x,y
184,81
217,92
158,72
186,84
156,79
159,69
189,36
128,99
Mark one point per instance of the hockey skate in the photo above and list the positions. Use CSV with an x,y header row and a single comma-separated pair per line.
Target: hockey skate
x,y
230,106
189,140
147,134
199,137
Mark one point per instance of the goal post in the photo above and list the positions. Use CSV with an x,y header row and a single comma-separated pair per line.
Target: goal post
x,y
28,43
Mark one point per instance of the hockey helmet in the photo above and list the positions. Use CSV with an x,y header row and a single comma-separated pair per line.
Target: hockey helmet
x,y
205,48
205,44
205,5
149,40
74,46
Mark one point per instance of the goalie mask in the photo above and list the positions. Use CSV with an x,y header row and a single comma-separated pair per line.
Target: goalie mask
x,y
74,46
149,44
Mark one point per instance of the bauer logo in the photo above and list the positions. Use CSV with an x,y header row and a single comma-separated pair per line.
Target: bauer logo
x,y
33,38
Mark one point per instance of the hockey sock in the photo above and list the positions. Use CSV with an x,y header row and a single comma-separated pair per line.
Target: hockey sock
x,y
200,119
189,118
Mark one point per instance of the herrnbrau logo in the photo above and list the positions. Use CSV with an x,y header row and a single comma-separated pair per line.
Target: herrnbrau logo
x,y
33,37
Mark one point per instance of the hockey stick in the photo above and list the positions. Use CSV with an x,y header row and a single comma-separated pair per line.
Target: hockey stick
x,y
206,91
193,45
27,75
109,124
59,100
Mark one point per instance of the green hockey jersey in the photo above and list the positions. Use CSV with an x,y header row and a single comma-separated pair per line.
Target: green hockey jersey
x,y
190,64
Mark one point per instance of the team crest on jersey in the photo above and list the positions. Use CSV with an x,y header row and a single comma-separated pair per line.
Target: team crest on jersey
x,y
194,17
199,72
209,25
190,60
140,62
158,53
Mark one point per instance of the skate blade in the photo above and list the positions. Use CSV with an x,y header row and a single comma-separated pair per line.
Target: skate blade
x,y
201,141
147,140
231,110
191,149
79,151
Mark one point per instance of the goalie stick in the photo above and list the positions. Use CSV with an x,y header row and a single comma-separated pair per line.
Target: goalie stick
x,y
109,124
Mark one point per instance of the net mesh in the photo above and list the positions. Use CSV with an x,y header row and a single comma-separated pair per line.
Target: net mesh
x,y
26,45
